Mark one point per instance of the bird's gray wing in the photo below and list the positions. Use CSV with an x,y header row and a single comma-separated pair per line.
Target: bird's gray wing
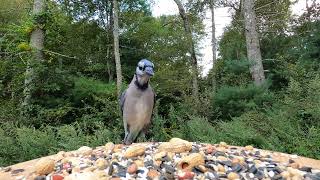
x,y
122,99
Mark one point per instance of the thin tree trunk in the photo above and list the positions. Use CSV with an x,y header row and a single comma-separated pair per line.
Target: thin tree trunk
x,y
108,65
116,46
37,45
252,41
187,28
111,19
108,17
214,43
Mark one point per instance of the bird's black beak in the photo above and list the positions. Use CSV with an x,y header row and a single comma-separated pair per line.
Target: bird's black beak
x,y
149,71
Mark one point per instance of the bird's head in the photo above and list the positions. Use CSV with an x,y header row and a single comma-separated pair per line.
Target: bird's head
x,y
145,67
144,70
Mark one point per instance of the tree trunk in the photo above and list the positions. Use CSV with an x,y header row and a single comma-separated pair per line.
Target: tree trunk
x,y
214,43
110,75
252,41
187,28
116,46
107,26
37,45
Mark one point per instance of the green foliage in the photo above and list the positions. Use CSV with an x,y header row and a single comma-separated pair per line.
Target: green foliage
x,y
21,143
200,130
233,101
88,88
232,72
35,142
12,11
233,44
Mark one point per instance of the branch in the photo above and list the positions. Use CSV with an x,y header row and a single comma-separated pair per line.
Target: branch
x,y
55,53
264,5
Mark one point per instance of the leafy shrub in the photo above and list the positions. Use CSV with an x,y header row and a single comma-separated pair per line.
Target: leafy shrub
x,y
238,133
159,132
21,143
34,143
233,101
200,130
232,72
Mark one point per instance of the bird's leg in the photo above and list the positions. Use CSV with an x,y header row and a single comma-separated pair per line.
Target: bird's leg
x,y
131,136
125,130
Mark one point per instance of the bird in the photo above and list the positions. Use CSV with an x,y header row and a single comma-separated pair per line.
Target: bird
x,y
137,102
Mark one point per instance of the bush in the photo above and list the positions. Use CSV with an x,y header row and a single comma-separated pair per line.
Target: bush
x,y
34,143
22,143
200,130
239,133
233,101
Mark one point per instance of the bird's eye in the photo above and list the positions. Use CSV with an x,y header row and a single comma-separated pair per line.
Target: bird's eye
x,y
140,68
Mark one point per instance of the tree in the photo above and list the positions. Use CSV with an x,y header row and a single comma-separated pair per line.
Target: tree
x,y
194,63
252,41
116,45
37,45
213,41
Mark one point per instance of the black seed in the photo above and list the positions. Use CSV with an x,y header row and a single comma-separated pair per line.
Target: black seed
x,y
253,170
261,168
40,178
148,163
7,169
165,159
210,166
243,153
170,169
69,170
291,161
121,173
219,153
163,178
259,175
169,175
277,177
222,176
140,171
245,166
236,168
198,169
257,153
277,170
110,169
210,162
16,171
227,163
305,168
194,149
93,157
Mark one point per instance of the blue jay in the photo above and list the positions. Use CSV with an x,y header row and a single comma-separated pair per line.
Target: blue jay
x,y
137,102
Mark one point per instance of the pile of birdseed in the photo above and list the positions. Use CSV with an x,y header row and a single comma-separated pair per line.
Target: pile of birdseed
x,y
176,159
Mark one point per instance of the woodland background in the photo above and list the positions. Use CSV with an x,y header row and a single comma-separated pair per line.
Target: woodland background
x,y
71,85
